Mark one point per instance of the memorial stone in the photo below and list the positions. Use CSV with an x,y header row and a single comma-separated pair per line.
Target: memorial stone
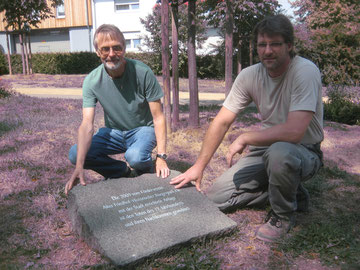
x,y
130,220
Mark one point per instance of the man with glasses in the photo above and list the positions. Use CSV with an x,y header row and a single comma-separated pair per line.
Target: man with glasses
x,y
134,122
287,92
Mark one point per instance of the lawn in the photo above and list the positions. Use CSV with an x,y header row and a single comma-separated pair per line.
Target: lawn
x,y
35,231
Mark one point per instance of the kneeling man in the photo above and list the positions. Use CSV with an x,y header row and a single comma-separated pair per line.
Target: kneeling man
x,y
134,122
287,92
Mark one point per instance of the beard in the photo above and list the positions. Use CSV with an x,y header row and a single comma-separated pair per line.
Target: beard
x,y
113,65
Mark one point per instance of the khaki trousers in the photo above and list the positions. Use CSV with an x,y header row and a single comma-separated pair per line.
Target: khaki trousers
x,y
267,174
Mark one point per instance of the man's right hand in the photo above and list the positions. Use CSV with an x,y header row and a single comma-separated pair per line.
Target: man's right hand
x,y
78,174
192,174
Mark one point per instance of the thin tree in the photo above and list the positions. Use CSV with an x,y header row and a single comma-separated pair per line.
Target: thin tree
x,y
175,62
26,53
193,83
165,61
8,50
27,39
229,25
22,52
30,53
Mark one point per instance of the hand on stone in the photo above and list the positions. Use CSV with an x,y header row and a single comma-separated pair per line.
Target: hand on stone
x,y
162,168
78,174
192,174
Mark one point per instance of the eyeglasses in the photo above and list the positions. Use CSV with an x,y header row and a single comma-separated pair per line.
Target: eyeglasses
x,y
273,45
117,49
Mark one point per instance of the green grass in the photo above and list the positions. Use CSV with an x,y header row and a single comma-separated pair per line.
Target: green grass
x,y
34,172
7,149
5,127
178,165
198,256
4,93
202,108
334,238
332,230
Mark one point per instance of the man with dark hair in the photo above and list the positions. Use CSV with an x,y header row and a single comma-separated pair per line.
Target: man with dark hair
x,y
286,90
134,122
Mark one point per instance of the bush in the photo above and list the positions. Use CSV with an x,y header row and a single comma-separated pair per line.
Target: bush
x,y
208,66
343,105
3,64
5,90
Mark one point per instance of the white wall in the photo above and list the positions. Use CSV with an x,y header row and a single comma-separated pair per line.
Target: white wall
x,y
128,21
80,41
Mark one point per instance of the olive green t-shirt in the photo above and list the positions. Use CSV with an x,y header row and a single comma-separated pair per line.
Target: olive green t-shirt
x,y
299,88
125,99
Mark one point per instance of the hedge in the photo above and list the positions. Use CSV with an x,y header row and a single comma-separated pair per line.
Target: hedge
x,y
209,66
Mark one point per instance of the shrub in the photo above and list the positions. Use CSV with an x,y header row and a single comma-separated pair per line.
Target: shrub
x,y
3,64
343,105
5,90
208,66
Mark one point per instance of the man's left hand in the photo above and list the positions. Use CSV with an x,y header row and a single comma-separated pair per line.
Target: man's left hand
x,y
162,168
238,146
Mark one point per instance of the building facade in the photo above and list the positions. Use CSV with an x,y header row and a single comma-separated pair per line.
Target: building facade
x,y
72,27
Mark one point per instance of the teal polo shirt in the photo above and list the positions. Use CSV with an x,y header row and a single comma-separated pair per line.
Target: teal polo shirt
x,y
125,100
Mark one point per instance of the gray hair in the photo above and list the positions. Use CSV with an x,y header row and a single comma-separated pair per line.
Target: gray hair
x,y
109,30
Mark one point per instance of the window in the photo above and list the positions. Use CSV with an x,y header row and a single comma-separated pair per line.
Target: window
x,y
136,42
132,43
60,11
121,5
128,43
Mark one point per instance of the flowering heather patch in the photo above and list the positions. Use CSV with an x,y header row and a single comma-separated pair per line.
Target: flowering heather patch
x,y
35,231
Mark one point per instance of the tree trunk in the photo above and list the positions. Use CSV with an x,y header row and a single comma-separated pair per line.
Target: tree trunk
x,y
193,84
26,54
239,66
165,61
229,22
175,63
30,56
251,52
8,52
22,52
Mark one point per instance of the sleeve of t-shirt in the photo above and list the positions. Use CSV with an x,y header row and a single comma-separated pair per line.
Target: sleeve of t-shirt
x,y
89,98
153,89
305,93
239,98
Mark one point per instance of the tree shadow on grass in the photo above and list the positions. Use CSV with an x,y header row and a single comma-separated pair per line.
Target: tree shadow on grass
x,y
178,165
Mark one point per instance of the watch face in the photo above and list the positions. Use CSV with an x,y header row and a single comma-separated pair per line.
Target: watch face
x,y
162,156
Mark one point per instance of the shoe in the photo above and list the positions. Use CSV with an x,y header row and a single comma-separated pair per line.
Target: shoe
x,y
274,228
302,199
130,173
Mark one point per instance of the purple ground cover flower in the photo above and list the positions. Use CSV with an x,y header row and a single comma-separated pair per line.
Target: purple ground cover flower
x,y
35,136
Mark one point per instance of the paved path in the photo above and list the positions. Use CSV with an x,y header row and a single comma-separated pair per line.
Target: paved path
x,y
75,93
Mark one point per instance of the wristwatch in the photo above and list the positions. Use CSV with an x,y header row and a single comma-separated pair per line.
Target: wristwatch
x,y
162,156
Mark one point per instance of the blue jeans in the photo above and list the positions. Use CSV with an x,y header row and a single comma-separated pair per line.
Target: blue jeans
x,y
137,144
